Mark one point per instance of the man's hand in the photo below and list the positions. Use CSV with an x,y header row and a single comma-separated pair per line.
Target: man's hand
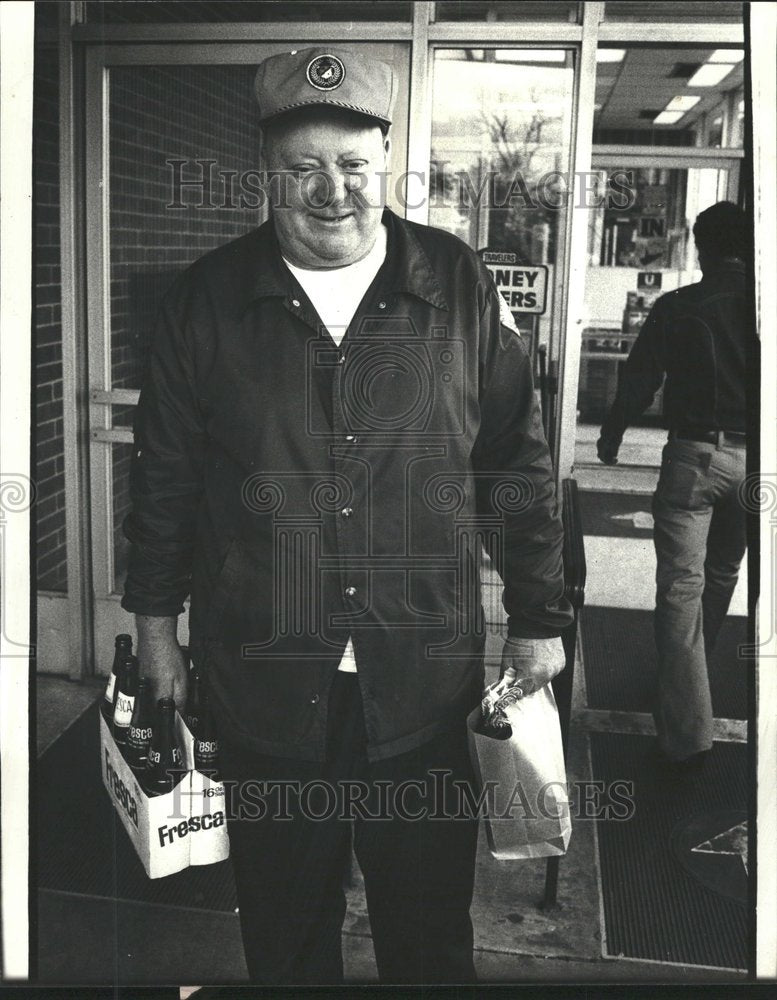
x,y
607,450
161,658
532,663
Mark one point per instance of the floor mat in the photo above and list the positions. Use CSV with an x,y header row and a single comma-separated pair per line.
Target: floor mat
x,y
620,662
82,845
674,881
617,515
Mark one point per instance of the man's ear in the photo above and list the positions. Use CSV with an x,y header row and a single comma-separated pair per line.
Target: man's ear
x,y
387,146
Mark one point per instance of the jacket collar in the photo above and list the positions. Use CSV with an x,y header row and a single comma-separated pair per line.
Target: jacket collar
x,y
410,269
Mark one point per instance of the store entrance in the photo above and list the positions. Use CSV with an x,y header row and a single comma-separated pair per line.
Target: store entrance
x,y
637,252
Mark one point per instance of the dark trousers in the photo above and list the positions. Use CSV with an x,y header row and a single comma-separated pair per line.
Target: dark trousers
x,y
700,536
418,872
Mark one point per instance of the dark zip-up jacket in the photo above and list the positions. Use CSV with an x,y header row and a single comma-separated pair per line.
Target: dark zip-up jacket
x,y
700,336
302,492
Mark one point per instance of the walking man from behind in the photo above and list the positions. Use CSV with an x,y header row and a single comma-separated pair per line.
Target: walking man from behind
x,y
701,337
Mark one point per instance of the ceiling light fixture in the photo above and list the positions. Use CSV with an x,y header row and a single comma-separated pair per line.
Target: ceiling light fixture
x,y
610,55
727,56
710,74
682,102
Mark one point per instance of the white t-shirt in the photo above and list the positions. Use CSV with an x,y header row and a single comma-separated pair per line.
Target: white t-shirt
x,y
336,295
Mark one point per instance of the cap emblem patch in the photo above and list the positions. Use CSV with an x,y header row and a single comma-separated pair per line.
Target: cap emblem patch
x,y
325,72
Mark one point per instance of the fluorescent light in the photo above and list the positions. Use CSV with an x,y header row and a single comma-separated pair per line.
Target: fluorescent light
x,y
727,56
610,55
668,117
682,103
530,55
710,74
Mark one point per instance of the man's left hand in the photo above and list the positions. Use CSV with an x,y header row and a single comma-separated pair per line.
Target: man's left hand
x,y
532,662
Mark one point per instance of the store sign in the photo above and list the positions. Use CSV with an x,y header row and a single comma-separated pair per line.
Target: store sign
x,y
652,227
524,287
649,280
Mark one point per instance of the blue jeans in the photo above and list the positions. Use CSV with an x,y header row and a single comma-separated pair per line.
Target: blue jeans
x,y
700,538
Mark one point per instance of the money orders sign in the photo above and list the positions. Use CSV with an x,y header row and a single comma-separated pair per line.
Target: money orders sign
x,y
524,287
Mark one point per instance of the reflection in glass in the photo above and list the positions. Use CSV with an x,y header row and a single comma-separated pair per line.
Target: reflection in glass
x,y
713,11
635,254
224,11
183,150
501,125
506,10
668,96
121,455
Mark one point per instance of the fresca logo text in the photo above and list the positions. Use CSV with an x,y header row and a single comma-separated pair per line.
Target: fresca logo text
x,y
120,791
167,834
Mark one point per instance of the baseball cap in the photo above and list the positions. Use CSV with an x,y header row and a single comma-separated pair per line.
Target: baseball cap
x,y
334,77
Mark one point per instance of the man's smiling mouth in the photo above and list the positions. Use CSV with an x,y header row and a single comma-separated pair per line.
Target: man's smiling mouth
x,y
333,220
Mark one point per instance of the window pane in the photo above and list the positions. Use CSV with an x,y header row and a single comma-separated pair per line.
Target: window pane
x,y
668,96
690,11
51,553
182,12
510,10
174,130
501,127
121,455
636,252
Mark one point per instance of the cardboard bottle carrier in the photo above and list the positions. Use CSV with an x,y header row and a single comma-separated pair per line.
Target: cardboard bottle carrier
x,y
187,826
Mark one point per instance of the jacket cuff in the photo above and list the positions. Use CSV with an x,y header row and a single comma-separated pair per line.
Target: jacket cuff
x,y
152,609
522,628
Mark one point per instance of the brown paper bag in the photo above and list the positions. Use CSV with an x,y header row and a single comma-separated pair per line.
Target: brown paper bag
x,y
523,780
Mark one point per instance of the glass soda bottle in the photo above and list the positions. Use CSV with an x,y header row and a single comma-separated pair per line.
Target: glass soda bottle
x,y
165,759
206,743
141,727
194,702
123,647
126,690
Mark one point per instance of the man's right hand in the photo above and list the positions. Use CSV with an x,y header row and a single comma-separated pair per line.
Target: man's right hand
x,y
161,658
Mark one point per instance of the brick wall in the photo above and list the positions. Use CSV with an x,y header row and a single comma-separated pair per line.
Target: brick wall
x,y
49,452
159,114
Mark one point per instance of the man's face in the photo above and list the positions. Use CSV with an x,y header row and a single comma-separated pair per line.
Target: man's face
x,y
327,189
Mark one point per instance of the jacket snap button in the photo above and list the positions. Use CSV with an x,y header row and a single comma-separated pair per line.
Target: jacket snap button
x,y
314,699
352,438
350,591
295,303
347,511
381,305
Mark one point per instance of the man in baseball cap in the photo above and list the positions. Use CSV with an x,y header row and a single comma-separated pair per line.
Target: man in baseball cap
x,y
332,404
325,77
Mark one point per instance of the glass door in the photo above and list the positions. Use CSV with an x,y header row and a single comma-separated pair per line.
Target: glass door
x,y
501,155
640,245
172,172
